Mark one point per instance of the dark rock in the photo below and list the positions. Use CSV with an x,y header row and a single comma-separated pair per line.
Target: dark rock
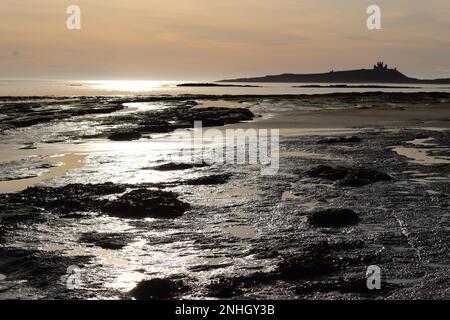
x,y
85,198
333,218
144,203
209,180
113,241
329,173
171,166
125,136
224,288
352,177
154,125
209,267
305,266
156,289
433,286
270,254
363,177
331,140
38,269
327,246
421,136
191,103
344,285
64,200
25,114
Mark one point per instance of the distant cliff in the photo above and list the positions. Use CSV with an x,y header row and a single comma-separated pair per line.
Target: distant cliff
x,y
379,74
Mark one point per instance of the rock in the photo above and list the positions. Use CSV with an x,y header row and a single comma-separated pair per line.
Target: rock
x,y
209,180
329,173
344,285
143,203
421,136
363,177
158,289
171,166
352,177
125,136
112,241
191,103
224,288
35,268
333,218
154,125
331,140
26,114
72,199
433,286
305,266
64,200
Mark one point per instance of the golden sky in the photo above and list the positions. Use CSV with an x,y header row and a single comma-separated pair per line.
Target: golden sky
x,y
215,39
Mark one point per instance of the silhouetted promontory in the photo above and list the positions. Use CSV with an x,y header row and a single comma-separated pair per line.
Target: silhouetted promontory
x,y
380,73
214,85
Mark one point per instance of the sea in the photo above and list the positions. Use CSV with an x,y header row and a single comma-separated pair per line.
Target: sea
x,y
132,88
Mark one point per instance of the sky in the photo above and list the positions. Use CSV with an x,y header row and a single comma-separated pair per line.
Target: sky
x,y
217,39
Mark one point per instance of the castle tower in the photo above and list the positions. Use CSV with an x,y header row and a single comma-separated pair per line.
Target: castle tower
x,y
380,66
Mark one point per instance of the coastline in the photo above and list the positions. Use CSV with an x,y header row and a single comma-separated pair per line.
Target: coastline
x,y
228,227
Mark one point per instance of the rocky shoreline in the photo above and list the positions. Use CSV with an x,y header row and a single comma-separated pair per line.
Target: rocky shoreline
x,y
224,231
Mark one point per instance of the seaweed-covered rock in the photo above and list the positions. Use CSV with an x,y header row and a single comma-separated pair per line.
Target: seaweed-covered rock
x,y
328,173
224,288
333,218
363,177
63,200
144,203
333,140
351,177
171,166
209,180
155,289
85,198
112,241
306,265
125,136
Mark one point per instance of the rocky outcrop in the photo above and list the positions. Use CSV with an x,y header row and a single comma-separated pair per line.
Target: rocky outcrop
x,y
351,177
333,218
156,289
143,203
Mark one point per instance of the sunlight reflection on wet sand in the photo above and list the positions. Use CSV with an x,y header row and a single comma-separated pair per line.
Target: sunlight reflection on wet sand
x,y
69,162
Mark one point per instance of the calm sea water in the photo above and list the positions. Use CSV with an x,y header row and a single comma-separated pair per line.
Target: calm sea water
x,y
113,87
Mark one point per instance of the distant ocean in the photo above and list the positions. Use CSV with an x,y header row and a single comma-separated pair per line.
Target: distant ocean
x,y
126,88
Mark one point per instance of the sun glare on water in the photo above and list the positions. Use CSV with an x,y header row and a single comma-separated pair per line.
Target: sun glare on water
x,y
131,86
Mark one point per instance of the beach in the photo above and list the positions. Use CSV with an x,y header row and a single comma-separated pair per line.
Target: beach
x,y
91,182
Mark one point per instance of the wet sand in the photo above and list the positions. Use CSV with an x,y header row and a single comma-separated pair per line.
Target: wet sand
x,y
329,120
69,162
